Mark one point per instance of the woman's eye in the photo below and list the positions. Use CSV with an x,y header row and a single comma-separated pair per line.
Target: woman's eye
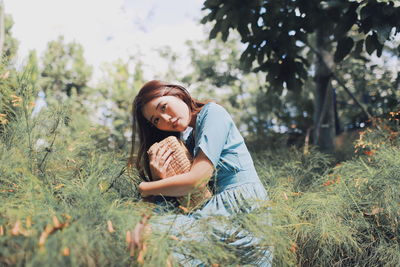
x,y
164,107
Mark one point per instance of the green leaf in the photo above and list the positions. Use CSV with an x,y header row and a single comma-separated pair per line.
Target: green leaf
x,y
366,11
247,58
234,18
346,22
379,48
214,31
370,43
358,48
222,11
260,57
383,32
224,29
205,19
212,3
343,48
244,32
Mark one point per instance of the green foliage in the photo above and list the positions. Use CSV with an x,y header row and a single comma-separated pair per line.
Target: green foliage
x,y
281,35
373,84
10,46
275,32
217,75
64,68
117,89
49,166
346,215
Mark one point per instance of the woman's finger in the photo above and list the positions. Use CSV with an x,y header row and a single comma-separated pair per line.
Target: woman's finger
x,y
166,154
161,151
166,162
164,168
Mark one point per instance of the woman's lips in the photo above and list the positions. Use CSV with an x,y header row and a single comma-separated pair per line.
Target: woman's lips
x,y
175,123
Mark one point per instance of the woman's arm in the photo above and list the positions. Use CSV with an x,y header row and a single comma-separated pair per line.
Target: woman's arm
x,y
182,184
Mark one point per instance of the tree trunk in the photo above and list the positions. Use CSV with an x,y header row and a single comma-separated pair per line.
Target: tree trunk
x,y
324,117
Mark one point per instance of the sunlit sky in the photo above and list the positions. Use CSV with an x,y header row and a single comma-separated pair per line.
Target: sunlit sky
x,y
108,29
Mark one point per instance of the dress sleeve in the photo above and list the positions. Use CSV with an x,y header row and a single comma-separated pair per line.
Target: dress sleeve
x,y
212,129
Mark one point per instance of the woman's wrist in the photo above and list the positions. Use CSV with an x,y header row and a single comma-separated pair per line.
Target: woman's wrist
x,y
142,191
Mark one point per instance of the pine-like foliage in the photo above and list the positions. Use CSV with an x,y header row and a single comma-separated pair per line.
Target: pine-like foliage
x,y
343,215
68,201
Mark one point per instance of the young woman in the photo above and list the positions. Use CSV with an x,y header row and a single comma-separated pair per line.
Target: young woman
x,y
220,158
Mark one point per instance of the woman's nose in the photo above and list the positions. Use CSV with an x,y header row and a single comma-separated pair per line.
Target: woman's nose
x,y
165,117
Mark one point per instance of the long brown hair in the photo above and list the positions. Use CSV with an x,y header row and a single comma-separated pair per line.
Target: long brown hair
x,y
149,134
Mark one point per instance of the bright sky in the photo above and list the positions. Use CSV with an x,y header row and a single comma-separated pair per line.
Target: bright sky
x,y
108,29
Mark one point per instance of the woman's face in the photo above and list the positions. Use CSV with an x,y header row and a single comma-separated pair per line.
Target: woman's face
x,y
168,113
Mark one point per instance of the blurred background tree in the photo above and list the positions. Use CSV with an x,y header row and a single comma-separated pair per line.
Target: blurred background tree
x,y
114,95
65,70
8,44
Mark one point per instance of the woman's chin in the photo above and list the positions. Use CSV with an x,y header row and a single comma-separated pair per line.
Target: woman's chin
x,y
180,129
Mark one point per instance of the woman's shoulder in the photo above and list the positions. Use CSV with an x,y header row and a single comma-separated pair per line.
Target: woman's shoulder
x,y
214,109
213,114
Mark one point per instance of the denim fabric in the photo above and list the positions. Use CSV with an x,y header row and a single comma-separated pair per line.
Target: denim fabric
x,y
236,186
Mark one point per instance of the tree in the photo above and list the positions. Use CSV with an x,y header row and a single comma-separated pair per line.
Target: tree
x,y
64,68
120,83
374,84
216,73
8,44
279,34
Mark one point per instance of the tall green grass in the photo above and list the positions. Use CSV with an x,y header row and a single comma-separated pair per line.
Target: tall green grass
x,y
342,215
66,199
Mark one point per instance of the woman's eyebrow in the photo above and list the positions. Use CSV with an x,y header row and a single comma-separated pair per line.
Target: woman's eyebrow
x,y
151,118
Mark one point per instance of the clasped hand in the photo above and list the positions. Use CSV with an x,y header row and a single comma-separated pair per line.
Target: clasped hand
x,y
159,161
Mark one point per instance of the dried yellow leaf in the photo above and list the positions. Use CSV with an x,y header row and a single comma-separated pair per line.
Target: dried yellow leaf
x,y
110,227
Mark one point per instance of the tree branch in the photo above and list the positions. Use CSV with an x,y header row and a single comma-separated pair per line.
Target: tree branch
x,y
358,103
352,95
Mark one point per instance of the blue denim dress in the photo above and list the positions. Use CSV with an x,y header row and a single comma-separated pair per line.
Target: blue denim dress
x,y
236,188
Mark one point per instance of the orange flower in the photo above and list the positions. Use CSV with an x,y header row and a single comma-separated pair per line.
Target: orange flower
x,y
369,152
66,251
293,248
